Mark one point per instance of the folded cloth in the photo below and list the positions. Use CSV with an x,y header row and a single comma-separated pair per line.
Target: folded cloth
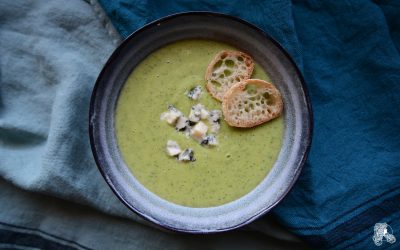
x,y
349,54
34,221
51,53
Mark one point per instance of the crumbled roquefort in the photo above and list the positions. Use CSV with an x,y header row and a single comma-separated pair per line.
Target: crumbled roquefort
x,y
192,126
210,140
173,148
195,93
214,119
186,155
199,131
215,116
172,115
204,114
182,123
195,113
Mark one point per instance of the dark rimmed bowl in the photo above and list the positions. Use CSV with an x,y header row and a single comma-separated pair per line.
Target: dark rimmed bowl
x,y
266,52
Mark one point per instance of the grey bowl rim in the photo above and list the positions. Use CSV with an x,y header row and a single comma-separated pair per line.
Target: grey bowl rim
x,y
114,56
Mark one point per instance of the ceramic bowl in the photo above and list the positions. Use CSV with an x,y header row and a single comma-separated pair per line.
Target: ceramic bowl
x,y
267,53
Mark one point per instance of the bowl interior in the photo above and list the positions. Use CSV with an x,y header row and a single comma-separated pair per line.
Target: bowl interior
x,y
268,54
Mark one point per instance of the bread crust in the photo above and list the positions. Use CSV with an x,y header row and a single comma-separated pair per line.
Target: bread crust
x,y
222,72
247,107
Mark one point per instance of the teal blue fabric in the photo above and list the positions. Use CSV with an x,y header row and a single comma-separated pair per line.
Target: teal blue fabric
x,y
349,54
52,195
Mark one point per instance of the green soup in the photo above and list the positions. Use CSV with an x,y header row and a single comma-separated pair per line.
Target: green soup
x,y
220,174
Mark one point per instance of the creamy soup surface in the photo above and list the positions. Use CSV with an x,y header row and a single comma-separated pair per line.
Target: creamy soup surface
x,y
220,174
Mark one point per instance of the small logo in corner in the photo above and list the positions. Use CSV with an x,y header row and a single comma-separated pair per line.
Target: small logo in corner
x,y
383,232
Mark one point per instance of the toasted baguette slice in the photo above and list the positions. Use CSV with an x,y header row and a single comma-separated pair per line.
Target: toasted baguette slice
x,y
226,69
250,103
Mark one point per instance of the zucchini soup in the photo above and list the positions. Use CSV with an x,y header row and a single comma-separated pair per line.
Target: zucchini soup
x,y
220,174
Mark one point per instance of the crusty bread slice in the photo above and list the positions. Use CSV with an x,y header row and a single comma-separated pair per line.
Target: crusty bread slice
x,y
226,69
251,102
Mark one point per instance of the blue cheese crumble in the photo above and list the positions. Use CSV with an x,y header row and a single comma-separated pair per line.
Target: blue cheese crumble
x,y
186,155
195,113
199,131
182,124
171,116
173,148
195,93
214,119
201,124
209,140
